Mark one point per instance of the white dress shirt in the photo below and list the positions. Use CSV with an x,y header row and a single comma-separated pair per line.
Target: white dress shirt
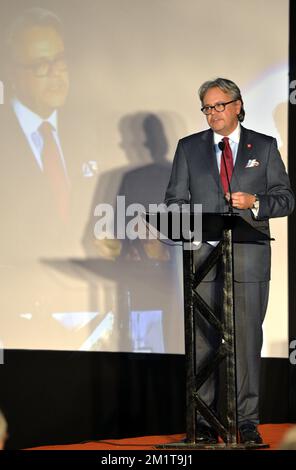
x,y
233,142
30,123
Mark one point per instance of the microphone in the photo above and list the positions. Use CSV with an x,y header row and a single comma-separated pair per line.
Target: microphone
x,y
221,146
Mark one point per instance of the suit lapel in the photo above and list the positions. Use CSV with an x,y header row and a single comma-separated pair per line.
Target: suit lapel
x,y
16,154
243,153
210,156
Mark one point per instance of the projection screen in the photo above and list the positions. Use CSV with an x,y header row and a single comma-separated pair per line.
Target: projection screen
x,y
120,78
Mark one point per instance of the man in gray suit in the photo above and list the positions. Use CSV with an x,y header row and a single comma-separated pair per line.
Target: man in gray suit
x,y
260,189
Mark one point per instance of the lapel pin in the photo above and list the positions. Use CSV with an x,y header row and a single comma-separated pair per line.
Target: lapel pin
x,y
249,146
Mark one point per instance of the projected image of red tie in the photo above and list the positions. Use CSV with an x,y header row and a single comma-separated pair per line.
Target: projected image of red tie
x,y
228,160
54,171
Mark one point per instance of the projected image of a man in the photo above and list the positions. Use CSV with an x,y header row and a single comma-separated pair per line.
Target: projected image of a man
x,y
37,65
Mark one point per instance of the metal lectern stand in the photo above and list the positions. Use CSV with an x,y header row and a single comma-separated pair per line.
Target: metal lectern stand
x,y
228,228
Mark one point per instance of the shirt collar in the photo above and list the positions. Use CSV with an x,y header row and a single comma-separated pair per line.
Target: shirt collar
x,y
30,121
234,136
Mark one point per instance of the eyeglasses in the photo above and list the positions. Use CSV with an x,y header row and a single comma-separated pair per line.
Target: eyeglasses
x,y
219,107
44,67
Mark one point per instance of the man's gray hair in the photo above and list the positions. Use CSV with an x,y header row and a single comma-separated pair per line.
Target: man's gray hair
x,y
228,87
3,426
35,16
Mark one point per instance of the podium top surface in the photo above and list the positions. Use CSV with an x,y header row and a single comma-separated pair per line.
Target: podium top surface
x,y
209,226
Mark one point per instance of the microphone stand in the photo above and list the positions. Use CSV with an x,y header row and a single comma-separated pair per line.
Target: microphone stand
x,y
221,146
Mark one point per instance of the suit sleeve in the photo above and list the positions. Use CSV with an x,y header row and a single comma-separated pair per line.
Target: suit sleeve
x,y
278,200
178,188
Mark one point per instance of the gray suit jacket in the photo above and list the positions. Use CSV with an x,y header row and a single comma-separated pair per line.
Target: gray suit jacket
x,y
30,223
195,178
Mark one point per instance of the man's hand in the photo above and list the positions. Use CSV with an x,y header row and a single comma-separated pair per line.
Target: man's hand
x,y
241,200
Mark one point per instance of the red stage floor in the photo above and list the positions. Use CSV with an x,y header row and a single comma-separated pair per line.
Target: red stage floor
x,y
271,433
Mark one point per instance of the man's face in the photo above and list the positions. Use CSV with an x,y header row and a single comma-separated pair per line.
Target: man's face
x,y
226,121
40,75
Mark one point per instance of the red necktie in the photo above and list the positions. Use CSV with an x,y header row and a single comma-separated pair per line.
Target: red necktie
x,y
54,170
226,158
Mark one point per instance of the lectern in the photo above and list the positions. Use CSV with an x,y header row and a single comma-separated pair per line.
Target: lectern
x,y
225,229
